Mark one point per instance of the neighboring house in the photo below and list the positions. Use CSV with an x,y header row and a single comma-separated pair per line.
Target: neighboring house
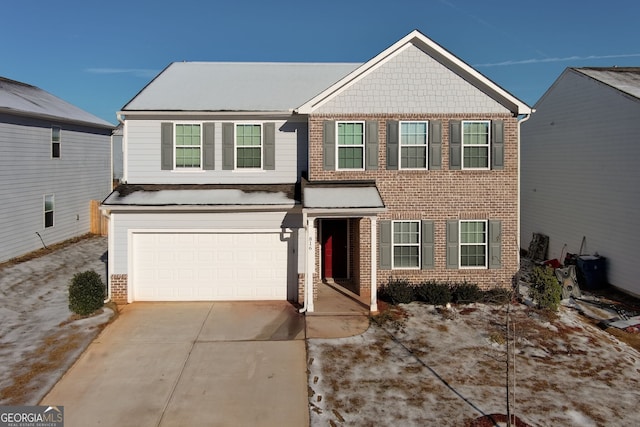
x,y
242,177
580,178
54,159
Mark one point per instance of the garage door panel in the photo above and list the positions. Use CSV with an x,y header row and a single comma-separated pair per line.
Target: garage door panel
x,y
209,266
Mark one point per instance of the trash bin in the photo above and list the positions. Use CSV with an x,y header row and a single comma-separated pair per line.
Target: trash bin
x,y
592,272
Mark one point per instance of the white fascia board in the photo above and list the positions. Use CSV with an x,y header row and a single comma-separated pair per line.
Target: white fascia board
x,y
167,113
196,208
346,212
420,40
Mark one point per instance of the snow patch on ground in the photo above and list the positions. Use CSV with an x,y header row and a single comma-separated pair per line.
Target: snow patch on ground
x,y
448,367
35,331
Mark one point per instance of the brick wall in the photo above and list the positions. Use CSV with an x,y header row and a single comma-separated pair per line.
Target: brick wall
x,y
119,287
437,195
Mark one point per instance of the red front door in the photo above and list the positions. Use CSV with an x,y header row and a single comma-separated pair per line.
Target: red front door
x,y
334,248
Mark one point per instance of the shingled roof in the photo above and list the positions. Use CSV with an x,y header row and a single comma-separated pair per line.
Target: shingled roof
x,y
26,100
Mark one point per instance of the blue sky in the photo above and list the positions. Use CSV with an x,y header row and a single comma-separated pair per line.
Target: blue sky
x,y
98,54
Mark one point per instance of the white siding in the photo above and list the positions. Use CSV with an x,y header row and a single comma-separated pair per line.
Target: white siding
x,y
142,151
580,174
27,173
123,222
412,82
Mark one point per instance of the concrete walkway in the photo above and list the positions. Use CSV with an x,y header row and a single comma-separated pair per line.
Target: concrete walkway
x,y
195,364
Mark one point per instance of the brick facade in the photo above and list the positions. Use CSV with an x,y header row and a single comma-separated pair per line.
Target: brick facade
x,y
437,195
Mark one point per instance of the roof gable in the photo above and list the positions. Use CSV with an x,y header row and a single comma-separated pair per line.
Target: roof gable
x,y
423,44
23,99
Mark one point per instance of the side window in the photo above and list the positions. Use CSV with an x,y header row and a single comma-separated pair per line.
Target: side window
x,y
476,140
406,244
55,142
188,146
48,210
248,146
413,145
350,145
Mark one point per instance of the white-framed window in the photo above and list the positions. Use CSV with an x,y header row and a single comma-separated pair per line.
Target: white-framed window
x,y
405,242
413,145
49,205
248,146
473,244
476,143
188,146
55,142
350,145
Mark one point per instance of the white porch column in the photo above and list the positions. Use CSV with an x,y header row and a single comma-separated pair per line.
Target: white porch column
x,y
374,265
309,264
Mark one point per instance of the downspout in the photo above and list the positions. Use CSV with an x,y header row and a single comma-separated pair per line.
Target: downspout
x,y
108,213
524,119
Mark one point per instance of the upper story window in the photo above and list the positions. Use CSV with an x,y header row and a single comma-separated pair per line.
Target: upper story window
x,y
188,146
476,140
413,145
55,142
48,210
350,146
248,146
406,244
473,244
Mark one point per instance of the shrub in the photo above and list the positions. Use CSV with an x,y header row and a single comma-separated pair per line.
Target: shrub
x,y
545,289
432,292
497,295
86,293
465,293
397,291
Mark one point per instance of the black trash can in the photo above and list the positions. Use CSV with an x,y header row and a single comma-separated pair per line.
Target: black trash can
x,y
592,272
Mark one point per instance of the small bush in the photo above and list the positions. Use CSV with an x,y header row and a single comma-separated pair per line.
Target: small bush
x,y
86,293
397,291
432,292
545,289
465,293
497,295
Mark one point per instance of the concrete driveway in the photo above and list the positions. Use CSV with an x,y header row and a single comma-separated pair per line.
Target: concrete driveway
x,y
192,364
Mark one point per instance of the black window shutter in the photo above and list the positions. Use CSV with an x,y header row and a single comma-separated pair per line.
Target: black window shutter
x,y
166,146
329,145
371,145
269,148
227,146
497,144
435,144
495,244
428,245
385,245
208,145
392,145
452,244
455,144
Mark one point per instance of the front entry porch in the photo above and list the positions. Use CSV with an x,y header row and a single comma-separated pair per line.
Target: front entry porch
x,y
341,259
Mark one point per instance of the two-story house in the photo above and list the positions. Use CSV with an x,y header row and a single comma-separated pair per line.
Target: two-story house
x,y
261,180
54,160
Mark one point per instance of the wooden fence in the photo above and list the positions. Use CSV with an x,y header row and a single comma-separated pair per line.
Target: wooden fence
x,y
99,222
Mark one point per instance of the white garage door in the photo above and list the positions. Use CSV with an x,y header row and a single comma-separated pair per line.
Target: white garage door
x,y
209,266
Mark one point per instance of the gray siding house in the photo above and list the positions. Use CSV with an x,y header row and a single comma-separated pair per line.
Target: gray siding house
x,y
580,182
54,159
